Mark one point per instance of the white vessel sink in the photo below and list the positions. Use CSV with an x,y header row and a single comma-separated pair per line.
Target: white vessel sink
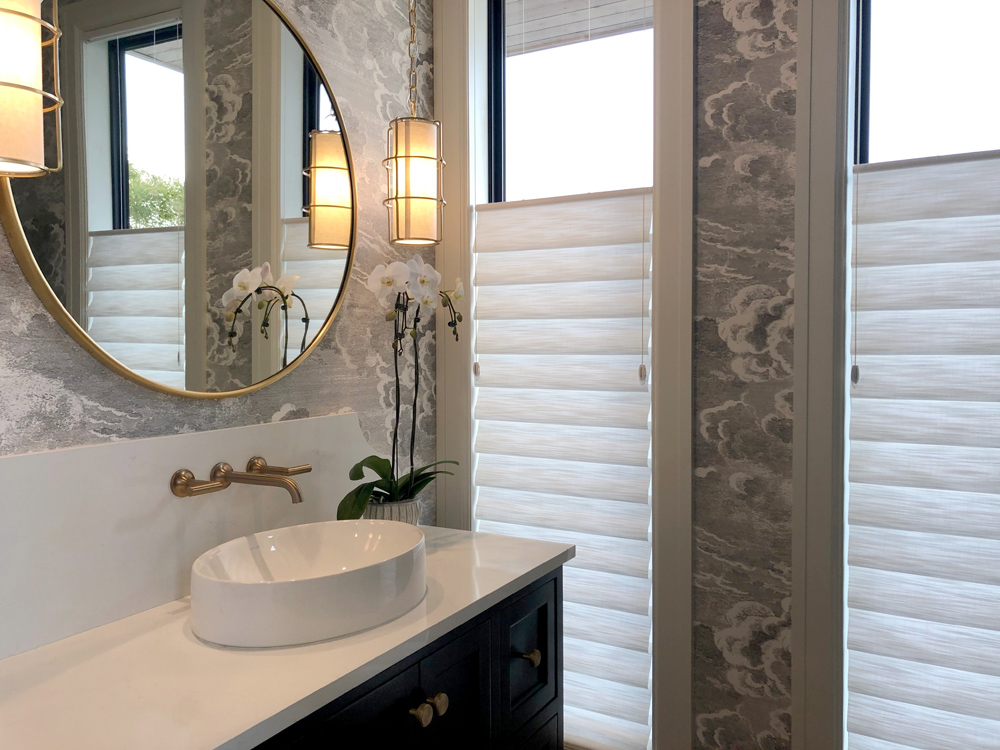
x,y
307,583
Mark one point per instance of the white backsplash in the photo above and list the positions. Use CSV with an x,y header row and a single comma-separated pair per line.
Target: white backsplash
x,y
91,535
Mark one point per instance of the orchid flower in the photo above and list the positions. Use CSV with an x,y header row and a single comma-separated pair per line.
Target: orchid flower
x,y
423,277
246,282
267,279
286,283
386,281
428,300
230,301
459,293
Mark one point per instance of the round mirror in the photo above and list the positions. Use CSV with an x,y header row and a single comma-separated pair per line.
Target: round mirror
x,y
176,244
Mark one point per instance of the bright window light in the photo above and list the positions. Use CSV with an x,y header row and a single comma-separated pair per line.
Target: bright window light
x,y
579,117
933,78
154,96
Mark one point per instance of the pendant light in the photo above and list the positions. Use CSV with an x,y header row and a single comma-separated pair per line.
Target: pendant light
x,y
330,205
24,38
414,167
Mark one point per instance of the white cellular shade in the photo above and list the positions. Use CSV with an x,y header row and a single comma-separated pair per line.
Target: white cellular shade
x,y
923,629
135,300
533,25
561,301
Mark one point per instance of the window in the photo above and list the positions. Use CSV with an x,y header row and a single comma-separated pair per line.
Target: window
x,y
147,129
561,300
923,506
923,79
571,100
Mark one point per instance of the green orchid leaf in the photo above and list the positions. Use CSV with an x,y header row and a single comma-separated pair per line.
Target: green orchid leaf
x,y
354,503
421,471
419,482
379,465
418,471
385,485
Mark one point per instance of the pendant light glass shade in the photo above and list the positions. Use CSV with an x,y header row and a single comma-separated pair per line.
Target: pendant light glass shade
x,y
414,167
330,206
24,37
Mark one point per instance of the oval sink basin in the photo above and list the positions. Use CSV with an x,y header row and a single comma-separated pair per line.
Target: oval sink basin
x,y
307,583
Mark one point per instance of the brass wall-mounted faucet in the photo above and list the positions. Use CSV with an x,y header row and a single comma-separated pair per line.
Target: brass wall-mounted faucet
x,y
184,484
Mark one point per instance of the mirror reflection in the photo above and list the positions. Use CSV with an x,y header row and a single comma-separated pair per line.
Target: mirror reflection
x,y
176,235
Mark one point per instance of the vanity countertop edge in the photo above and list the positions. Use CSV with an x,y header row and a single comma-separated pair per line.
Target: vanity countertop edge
x,y
147,681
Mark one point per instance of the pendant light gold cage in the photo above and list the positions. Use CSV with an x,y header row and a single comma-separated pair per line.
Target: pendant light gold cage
x,y
331,208
15,163
414,166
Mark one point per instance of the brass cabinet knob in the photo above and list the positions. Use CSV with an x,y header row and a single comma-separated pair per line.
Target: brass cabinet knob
x,y
424,713
535,657
440,703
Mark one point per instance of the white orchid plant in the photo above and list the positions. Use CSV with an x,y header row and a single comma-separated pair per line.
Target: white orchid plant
x,y
407,291
259,284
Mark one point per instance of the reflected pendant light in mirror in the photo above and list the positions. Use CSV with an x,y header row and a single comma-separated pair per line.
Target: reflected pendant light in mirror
x,y
24,38
414,165
330,206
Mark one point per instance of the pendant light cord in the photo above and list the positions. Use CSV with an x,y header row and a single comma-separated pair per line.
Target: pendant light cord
x,y
412,49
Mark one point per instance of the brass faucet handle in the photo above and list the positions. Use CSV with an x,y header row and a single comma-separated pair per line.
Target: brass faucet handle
x,y
183,484
258,465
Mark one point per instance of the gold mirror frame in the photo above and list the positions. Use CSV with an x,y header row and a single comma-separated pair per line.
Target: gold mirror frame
x,y
11,222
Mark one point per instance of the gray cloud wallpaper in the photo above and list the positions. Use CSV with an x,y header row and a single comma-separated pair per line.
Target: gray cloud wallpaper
x,y
228,180
745,192
54,395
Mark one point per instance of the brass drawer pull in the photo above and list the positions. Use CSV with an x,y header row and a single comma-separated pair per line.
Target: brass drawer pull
x,y
440,703
535,657
424,714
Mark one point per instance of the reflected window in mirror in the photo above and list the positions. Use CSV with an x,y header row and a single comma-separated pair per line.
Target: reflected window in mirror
x,y
133,270
146,82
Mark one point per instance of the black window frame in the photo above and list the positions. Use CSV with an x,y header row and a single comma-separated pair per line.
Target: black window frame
x,y
117,48
311,91
496,51
862,80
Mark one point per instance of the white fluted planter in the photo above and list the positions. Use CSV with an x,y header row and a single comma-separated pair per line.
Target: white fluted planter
x,y
406,512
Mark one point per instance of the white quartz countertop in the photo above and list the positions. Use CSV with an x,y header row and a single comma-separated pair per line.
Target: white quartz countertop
x,y
148,682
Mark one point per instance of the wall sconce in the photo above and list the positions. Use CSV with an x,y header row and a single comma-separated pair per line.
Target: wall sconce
x,y
22,95
415,201
330,205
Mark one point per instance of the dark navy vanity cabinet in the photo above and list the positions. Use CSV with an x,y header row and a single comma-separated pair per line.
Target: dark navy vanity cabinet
x,y
495,682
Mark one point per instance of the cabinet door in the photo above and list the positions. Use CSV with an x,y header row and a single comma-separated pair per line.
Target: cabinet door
x,y
381,718
528,643
461,671
534,737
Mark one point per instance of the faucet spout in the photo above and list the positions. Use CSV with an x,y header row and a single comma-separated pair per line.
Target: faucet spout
x,y
223,472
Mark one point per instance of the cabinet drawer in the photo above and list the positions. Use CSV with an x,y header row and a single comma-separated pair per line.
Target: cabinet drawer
x,y
528,651
461,671
380,718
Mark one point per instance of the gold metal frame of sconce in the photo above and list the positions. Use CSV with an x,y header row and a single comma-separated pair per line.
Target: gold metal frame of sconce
x,y
36,279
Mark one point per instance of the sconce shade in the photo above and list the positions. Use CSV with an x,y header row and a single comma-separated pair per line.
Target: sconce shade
x,y
330,202
22,142
414,167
